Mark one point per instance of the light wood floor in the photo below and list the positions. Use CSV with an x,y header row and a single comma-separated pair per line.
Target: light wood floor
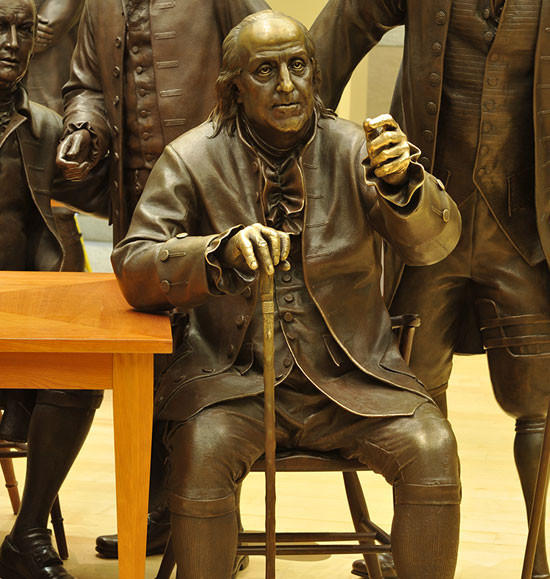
x,y
493,522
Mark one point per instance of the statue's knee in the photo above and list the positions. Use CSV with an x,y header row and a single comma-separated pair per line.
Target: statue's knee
x,y
434,449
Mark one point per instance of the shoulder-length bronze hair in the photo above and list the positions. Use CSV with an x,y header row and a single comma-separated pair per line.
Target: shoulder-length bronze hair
x,y
224,115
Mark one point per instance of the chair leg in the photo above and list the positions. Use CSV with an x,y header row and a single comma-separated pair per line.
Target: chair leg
x,y
11,483
168,562
359,515
59,529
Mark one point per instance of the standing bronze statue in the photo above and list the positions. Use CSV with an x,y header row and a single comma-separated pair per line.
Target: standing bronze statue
x,y
55,422
473,95
143,73
272,178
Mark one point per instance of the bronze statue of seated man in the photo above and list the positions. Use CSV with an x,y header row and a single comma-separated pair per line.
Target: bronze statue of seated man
x,y
54,422
275,181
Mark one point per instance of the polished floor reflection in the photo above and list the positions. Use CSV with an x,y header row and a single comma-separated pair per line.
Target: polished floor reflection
x,y
493,522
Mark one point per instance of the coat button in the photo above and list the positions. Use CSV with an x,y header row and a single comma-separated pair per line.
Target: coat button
x,y
135,49
287,362
494,57
230,350
115,184
164,255
489,36
116,155
486,13
144,113
482,172
432,108
487,128
289,298
139,69
425,162
484,150
437,49
182,235
115,130
149,157
247,293
445,215
146,136
255,166
492,81
239,322
118,42
441,17
165,286
208,370
142,92
435,79
286,277
490,106
116,71
428,136
288,317
116,100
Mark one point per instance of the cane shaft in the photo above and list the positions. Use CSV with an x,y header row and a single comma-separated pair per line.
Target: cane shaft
x,y
539,500
268,311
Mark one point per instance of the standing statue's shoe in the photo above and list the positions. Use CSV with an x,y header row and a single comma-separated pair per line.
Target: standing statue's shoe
x,y
241,562
386,565
31,556
158,533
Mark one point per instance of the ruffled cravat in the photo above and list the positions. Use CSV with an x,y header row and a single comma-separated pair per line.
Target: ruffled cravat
x,y
283,196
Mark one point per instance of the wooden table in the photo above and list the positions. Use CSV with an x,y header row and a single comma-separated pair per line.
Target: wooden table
x,y
75,330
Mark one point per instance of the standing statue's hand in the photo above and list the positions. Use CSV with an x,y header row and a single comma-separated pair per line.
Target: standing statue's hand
x,y
388,149
74,155
44,35
256,246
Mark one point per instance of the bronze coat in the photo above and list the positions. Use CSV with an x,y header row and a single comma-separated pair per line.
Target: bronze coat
x,y
38,138
49,70
202,188
186,33
346,30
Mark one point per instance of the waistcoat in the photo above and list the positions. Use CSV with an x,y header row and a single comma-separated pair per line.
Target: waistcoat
x,y
143,133
485,132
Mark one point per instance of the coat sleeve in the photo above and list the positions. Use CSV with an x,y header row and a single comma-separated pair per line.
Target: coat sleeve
x,y
62,15
83,93
344,32
231,12
165,261
419,220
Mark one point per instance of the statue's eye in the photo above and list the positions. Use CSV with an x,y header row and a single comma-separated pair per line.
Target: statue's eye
x,y
264,70
298,65
26,29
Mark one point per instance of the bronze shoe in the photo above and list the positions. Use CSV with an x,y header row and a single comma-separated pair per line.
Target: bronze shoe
x,y
386,565
31,556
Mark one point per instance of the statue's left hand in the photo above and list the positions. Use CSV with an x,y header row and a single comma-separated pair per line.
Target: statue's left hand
x,y
388,149
44,35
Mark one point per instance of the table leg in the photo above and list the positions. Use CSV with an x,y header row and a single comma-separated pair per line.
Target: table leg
x,y
133,421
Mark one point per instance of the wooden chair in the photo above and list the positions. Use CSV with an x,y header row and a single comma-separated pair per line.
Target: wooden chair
x,y
9,451
368,539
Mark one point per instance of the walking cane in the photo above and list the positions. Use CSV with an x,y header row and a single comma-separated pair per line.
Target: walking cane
x,y
268,311
539,500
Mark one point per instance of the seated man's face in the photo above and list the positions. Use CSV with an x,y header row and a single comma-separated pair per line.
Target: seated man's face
x,y
17,22
276,83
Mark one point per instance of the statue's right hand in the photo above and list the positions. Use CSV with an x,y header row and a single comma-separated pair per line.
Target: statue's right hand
x,y
74,155
256,246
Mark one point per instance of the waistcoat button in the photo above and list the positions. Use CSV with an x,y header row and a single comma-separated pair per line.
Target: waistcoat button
x,y
441,17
